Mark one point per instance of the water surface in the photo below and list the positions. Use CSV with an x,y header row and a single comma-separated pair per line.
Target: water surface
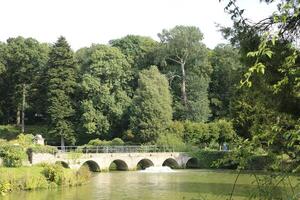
x,y
180,185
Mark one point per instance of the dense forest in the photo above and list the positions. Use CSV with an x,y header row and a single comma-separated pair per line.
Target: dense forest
x,y
172,92
134,88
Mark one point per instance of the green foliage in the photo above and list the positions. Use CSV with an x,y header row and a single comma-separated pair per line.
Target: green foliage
x,y
197,133
172,141
25,140
38,177
12,155
54,173
261,162
184,59
224,79
42,149
24,60
151,111
98,142
208,159
61,76
117,141
9,132
137,49
220,131
105,90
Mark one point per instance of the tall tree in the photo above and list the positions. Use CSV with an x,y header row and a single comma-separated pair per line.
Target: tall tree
x,y
3,98
25,58
105,90
151,111
137,49
61,87
267,107
224,79
181,47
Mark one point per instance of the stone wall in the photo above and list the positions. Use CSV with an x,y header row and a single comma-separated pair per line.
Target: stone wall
x,y
42,158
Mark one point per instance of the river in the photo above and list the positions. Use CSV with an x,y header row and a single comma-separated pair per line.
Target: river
x,y
136,185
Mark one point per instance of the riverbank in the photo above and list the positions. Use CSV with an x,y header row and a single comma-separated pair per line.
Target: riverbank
x,y
40,177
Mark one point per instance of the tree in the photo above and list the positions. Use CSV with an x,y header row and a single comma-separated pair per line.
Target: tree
x,y
182,46
25,58
61,77
267,104
2,80
136,48
151,111
105,90
224,79
2,57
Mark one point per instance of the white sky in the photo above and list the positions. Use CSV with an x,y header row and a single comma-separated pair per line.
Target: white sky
x,y
84,22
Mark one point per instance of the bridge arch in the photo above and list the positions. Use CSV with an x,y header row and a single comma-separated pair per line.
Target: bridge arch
x,y
118,165
62,163
191,163
171,162
144,163
92,165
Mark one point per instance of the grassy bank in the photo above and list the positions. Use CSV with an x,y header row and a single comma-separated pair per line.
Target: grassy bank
x,y
40,177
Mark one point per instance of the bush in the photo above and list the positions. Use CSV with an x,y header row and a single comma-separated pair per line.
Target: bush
x,y
208,159
33,182
5,187
54,173
9,132
25,140
176,128
98,142
260,162
196,133
117,141
12,155
171,140
42,149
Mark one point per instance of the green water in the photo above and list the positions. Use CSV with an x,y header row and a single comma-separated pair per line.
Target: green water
x,y
179,185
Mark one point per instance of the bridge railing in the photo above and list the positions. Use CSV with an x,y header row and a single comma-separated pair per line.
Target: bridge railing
x,y
115,149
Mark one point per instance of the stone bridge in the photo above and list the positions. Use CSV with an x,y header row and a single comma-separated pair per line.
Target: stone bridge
x,y
99,162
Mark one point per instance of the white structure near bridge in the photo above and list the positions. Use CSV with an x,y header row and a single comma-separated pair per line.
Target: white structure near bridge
x,y
99,162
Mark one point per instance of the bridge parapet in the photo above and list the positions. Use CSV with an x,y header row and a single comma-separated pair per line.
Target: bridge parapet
x,y
126,158
116,149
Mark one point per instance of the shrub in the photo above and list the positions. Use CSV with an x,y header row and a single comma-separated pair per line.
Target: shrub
x,y
42,149
171,140
9,132
98,142
260,162
196,133
117,141
13,155
54,173
33,182
208,159
176,128
5,187
25,140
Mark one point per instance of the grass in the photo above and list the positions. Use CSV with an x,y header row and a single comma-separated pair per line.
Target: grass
x,y
34,177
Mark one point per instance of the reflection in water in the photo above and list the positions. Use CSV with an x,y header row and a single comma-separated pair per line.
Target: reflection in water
x,y
184,184
162,169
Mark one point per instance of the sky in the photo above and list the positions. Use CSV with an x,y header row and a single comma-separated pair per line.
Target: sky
x,y
84,22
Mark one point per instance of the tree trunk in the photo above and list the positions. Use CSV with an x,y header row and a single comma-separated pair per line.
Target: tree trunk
x,y
18,119
62,143
23,108
183,86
